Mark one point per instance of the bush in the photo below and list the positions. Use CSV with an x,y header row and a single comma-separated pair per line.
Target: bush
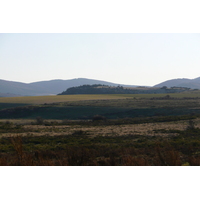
x,y
98,117
191,125
78,133
39,120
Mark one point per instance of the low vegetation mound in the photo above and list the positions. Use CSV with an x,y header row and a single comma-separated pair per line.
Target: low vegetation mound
x,y
105,89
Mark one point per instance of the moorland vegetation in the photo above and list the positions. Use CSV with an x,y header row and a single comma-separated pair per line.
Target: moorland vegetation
x,y
127,130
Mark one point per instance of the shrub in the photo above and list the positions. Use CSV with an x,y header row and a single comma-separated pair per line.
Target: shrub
x,y
191,125
78,133
39,120
98,117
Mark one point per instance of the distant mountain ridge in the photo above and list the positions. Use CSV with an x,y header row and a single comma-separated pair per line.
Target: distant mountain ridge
x,y
181,82
51,87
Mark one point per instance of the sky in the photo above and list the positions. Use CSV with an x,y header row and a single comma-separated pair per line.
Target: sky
x,y
123,58
130,42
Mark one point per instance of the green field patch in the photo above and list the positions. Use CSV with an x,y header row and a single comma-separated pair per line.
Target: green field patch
x,y
11,105
57,112
87,112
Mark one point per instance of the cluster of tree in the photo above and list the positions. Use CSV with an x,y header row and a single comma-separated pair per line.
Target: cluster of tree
x,y
105,89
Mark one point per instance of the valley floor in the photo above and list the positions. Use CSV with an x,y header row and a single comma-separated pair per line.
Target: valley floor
x,y
150,130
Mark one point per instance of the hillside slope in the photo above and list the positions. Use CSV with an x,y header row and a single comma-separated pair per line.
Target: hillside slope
x,y
57,86
51,87
189,83
19,89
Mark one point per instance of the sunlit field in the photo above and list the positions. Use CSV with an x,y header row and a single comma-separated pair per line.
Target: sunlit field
x,y
58,98
65,98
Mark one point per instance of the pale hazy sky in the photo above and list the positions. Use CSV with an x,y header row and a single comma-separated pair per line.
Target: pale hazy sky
x,y
132,58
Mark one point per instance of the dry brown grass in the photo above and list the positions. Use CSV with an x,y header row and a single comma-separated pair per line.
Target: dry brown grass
x,y
60,98
146,129
83,150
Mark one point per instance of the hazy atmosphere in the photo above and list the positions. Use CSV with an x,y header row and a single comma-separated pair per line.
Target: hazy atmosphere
x,y
132,58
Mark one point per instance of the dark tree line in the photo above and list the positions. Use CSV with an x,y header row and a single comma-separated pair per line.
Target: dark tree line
x,y
104,89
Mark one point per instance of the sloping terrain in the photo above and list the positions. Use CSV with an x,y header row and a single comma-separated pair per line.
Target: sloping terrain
x,y
53,87
189,83
42,88
20,89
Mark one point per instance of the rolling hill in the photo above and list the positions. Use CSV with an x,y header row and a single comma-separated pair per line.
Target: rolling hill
x,y
53,87
41,88
181,82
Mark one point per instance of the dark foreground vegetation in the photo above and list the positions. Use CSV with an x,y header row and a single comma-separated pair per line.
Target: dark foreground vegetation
x,y
181,147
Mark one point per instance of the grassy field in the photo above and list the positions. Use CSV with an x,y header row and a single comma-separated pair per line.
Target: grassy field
x,y
58,98
82,107
72,143
67,98
95,130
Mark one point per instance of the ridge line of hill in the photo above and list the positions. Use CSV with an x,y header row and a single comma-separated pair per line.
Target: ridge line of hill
x,y
56,86
42,88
